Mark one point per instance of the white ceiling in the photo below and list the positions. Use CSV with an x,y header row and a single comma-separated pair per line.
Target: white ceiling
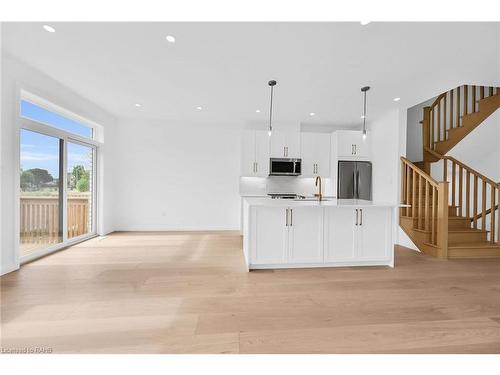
x,y
225,67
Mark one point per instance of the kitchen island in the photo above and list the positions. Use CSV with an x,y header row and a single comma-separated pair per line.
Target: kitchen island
x,y
301,233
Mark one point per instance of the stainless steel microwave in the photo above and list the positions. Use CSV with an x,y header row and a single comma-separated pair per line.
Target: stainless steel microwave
x,y
285,167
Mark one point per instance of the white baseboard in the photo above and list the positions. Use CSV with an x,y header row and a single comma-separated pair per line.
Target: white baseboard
x,y
9,268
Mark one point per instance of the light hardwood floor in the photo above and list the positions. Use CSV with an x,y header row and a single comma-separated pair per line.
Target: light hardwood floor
x,y
189,293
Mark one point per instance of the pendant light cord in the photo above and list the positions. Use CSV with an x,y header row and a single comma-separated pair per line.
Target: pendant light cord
x,y
271,110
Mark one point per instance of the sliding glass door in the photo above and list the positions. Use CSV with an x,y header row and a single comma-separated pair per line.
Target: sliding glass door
x,y
41,224
57,182
80,188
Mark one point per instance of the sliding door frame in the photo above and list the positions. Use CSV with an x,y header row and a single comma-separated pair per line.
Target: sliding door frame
x,y
66,137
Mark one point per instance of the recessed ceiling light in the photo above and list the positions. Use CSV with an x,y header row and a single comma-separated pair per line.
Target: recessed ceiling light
x,y
396,99
170,38
312,114
138,104
257,110
48,28
364,23
199,108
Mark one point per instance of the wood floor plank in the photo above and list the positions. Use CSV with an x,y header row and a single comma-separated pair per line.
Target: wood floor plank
x,y
189,292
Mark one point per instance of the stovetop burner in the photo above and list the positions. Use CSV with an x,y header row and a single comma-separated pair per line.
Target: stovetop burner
x,y
285,196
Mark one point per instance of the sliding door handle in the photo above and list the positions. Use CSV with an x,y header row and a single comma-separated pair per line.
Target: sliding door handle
x,y
286,217
361,221
356,216
291,216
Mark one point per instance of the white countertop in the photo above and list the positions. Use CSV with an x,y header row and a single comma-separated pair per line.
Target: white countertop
x,y
331,202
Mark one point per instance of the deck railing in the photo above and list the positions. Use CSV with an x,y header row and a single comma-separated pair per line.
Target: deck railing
x,y
40,218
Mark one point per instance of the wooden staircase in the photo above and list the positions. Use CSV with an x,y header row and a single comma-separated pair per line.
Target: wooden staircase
x,y
453,115
458,217
441,221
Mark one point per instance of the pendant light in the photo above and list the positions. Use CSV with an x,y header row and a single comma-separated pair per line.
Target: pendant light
x,y
271,84
364,90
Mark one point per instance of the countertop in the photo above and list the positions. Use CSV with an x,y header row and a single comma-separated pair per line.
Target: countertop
x,y
330,202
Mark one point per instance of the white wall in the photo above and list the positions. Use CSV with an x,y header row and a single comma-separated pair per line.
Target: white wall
x,y
414,140
16,75
176,176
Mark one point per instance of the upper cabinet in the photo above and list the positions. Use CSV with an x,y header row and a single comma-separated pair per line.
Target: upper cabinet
x,y
315,153
285,144
351,145
255,153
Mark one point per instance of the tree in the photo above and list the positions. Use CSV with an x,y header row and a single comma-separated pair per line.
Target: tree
x,y
27,180
77,174
40,176
83,185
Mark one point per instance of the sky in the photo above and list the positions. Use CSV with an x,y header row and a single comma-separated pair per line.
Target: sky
x,y
42,151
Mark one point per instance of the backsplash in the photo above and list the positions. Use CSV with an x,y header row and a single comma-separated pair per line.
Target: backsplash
x,y
265,185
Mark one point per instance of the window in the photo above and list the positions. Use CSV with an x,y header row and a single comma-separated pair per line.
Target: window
x,y
57,181
39,114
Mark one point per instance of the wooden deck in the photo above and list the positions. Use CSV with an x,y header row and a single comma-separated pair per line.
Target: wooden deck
x,y
189,293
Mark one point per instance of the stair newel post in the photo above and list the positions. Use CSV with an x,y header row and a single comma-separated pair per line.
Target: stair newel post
x,y
426,132
442,219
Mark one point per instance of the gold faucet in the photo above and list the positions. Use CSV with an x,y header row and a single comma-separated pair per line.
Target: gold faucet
x,y
319,195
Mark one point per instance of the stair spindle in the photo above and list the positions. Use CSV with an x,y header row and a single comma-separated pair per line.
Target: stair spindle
x,y
492,214
467,195
491,91
434,216
475,203
481,92
466,99
473,99
460,180
420,201
483,205
458,108
453,184
408,187
451,109
445,125
414,195
439,121
427,213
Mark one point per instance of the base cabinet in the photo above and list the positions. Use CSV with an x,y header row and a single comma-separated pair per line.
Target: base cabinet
x,y
287,235
320,236
305,235
359,234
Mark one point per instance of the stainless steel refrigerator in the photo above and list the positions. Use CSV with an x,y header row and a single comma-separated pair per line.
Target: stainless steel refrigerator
x,y
354,180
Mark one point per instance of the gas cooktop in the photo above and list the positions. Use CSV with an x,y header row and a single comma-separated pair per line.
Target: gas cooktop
x,y
285,196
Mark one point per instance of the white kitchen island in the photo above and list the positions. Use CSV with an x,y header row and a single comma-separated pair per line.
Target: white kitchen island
x,y
281,233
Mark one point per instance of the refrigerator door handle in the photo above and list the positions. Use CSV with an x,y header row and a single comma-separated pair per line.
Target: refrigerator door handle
x,y
357,184
354,185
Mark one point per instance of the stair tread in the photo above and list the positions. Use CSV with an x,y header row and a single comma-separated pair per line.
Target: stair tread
x,y
467,230
483,244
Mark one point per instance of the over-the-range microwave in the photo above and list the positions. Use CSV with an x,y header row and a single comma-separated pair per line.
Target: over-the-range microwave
x,y
285,167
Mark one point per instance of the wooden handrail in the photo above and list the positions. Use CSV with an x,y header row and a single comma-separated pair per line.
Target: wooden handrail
x,y
448,109
487,212
422,173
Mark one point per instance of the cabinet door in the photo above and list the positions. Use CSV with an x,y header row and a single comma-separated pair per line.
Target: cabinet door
x,y
293,144
362,146
248,153
269,236
261,153
278,144
306,235
346,142
374,239
308,154
323,146
340,234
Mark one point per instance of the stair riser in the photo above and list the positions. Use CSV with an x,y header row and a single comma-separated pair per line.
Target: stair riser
x,y
466,237
459,224
474,253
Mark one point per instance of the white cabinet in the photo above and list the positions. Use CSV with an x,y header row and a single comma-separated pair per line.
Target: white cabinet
x,y
340,234
359,234
305,235
255,153
350,144
315,153
374,238
285,144
284,235
270,235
